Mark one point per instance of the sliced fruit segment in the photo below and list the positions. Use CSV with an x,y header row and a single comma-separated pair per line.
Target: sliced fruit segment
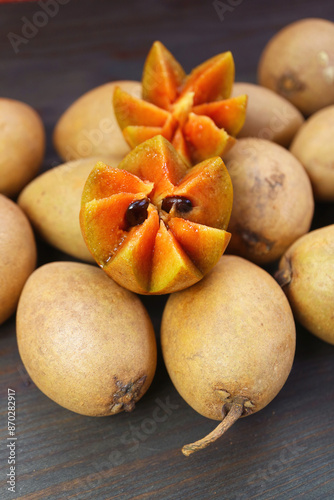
x,y
208,186
181,147
169,128
229,114
136,134
157,161
104,181
206,140
211,80
204,245
171,267
133,111
131,266
162,77
104,225
182,107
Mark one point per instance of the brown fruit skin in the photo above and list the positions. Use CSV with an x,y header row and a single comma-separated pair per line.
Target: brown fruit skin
x,y
232,334
308,267
298,63
269,116
52,202
17,255
22,145
273,202
83,339
313,146
89,126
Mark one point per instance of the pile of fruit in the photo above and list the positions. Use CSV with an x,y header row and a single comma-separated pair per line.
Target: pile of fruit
x,y
160,178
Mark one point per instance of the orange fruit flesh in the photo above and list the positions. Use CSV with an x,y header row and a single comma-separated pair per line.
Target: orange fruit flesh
x,y
211,80
204,245
208,185
171,99
103,224
228,114
162,77
104,181
133,261
133,111
166,251
156,161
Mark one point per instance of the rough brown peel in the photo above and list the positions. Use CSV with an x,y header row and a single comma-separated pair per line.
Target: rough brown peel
x,y
126,395
86,342
228,343
306,273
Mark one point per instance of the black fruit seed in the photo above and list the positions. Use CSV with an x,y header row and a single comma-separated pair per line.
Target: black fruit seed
x,y
136,212
181,204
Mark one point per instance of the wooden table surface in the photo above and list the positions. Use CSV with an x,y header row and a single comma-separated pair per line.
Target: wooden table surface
x,y
286,451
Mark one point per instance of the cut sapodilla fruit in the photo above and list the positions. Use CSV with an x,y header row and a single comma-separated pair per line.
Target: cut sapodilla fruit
x,y
152,224
195,112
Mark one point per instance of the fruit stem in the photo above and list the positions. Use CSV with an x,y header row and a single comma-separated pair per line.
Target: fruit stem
x,y
283,277
232,416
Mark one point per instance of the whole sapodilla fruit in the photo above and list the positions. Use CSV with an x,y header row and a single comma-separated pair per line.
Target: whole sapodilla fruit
x,y
306,273
313,146
228,343
89,127
298,63
269,116
273,201
86,342
17,255
22,145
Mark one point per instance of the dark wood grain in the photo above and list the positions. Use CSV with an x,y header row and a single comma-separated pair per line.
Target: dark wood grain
x,y
286,451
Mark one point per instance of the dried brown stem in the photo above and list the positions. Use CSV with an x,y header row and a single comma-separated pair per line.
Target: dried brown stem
x,y
232,416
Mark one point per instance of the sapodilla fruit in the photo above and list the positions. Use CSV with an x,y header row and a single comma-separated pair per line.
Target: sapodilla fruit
x,y
153,225
298,64
86,342
313,146
273,201
306,273
22,145
17,255
228,343
269,116
89,127
194,112
52,203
